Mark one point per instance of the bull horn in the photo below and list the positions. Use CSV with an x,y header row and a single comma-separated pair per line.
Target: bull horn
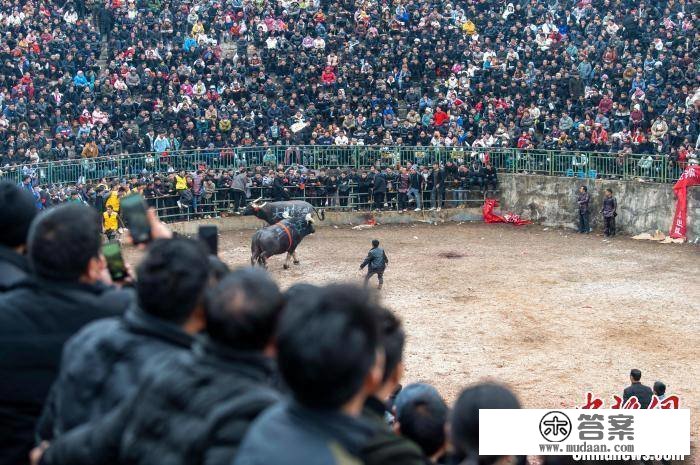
x,y
256,200
262,205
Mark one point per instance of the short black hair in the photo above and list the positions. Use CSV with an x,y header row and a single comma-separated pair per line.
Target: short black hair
x,y
422,419
659,388
63,240
375,243
172,278
585,188
17,210
243,309
609,190
327,344
393,339
636,374
218,268
465,416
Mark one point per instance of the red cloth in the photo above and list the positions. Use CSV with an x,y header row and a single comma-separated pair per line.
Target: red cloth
x,y
492,217
690,177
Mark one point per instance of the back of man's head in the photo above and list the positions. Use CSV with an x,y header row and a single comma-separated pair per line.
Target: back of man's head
x,y
172,278
63,240
375,243
17,210
393,339
327,344
421,414
635,374
465,417
243,309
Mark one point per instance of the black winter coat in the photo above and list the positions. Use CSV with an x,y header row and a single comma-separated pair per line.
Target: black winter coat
x,y
290,434
641,392
379,185
35,322
386,447
14,269
192,408
103,364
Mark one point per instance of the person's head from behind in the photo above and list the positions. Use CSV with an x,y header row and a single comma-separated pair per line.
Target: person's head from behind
x,y
635,375
464,424
375,243
17,210
421,415
608,193
172,280
64,244
659,388
392,340
329,348
243,309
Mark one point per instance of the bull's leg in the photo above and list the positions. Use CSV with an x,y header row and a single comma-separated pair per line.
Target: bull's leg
x,y
262,260
286,261
296,260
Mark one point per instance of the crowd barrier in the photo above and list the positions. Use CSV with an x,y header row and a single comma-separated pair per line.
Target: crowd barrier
x,y
221,202
653,168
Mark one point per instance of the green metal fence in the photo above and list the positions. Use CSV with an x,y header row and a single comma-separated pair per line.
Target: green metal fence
x,y
654,168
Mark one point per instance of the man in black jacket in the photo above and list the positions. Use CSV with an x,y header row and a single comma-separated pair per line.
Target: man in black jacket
x,y
386,447
68,292
193,407
327,345
103,363
436,185
17,210
637,389
377,261
379,188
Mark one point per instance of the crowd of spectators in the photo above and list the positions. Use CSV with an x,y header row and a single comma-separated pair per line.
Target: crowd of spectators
x,y
86,78
184,361
184,194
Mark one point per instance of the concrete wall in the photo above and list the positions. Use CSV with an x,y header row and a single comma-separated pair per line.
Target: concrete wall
x,y
551,201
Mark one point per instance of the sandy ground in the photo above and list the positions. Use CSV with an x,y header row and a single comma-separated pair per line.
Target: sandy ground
x,y
549,312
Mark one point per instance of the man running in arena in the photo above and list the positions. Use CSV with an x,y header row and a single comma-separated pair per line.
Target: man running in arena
x,y
377,261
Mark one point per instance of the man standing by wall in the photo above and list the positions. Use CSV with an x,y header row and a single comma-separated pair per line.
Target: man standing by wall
x,y
609,212
377,261
583,201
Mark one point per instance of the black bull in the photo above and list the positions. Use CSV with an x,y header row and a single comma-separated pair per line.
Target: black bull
x,y
284,236
273,212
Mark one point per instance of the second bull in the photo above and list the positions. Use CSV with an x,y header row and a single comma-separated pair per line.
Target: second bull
x,y
283,236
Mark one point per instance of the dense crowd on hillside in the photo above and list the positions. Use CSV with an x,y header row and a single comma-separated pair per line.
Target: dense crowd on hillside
x,y
184,361
605,75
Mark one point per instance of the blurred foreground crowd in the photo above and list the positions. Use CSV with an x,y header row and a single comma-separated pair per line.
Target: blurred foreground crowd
x,y
85,78
184,362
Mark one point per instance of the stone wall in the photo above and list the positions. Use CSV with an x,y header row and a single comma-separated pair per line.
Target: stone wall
x,y
551,201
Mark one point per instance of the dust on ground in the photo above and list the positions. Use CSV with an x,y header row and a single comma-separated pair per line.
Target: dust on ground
x,y
551,313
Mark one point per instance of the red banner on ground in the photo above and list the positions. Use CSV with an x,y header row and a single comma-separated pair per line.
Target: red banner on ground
x,y
690,177
492,217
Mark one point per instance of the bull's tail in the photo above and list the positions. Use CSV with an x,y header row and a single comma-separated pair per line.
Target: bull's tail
x,y
320,213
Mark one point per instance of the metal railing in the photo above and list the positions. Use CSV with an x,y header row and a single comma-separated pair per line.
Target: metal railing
x,y
174,207
654,168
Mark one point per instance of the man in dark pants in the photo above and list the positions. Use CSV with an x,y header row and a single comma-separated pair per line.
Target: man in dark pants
x,y
377,261
583,201
609,212
637,389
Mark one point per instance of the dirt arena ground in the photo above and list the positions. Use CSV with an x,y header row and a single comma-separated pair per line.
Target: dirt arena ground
x,y
549,312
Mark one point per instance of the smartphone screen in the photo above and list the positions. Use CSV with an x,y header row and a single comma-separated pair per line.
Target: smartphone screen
x,y
209,234
115,262
133,210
